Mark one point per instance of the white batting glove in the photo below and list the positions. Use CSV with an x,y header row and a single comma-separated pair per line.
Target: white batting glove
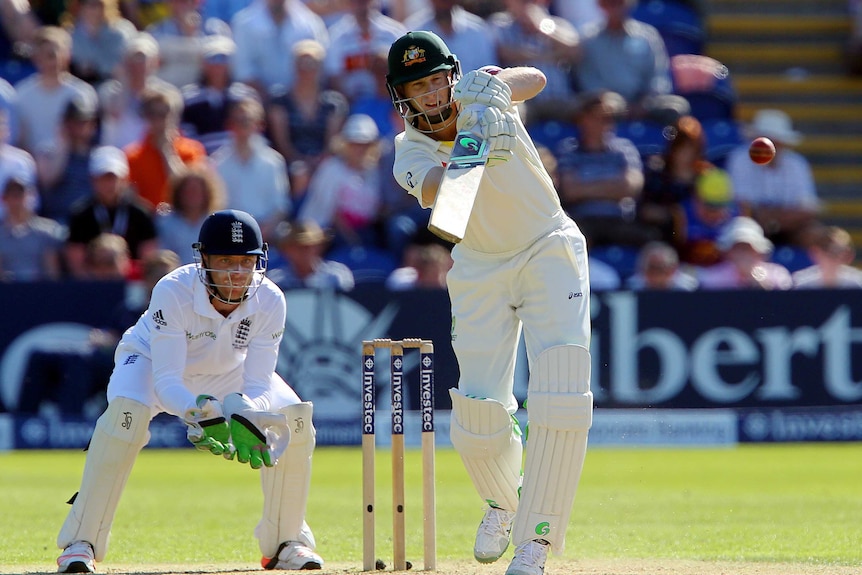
x,y
496,128
479,87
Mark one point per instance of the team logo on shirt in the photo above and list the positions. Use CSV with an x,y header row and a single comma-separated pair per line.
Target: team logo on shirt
x,y
240,340
413,55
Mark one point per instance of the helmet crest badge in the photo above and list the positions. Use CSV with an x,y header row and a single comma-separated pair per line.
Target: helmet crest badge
x,y
413,55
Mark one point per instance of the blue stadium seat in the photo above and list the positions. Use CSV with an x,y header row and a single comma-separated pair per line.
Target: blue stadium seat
x,y
649,138
679,25
366,263
621,258
706,84
722,136
793,258
549,133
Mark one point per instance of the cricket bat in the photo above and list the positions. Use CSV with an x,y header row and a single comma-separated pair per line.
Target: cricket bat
x,y
457,191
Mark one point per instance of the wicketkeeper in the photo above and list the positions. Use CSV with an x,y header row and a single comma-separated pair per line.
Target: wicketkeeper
x,y
205,350
521,266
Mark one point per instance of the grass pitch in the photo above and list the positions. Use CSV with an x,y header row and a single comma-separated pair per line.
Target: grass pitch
x,y
751,509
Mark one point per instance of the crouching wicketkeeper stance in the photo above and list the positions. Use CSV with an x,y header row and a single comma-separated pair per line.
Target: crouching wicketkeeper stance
x,y
205,350
521,266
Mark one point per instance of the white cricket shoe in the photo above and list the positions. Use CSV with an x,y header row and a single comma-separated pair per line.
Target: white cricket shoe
x,y
293,556
78,557
492,537
529,558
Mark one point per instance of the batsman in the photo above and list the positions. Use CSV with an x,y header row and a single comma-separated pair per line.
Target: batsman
x,y
205,351
521,266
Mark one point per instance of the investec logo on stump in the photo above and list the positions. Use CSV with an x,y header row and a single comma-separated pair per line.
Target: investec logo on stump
x,y
426,392
762,359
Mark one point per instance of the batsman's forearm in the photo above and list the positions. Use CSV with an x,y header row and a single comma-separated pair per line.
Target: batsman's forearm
x,y
525,81
430,185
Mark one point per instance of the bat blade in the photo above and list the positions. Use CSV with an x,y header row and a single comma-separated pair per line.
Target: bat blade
x,y
458,188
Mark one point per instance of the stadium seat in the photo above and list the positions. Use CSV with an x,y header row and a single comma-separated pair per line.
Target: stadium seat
x,y
679,25
706,84
793,258
722,136
551,132
368,264
621,258
649,138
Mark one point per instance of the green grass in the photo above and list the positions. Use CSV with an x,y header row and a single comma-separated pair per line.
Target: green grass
x,y
786,503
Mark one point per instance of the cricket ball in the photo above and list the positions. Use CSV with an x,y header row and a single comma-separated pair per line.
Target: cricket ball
x,y
761,151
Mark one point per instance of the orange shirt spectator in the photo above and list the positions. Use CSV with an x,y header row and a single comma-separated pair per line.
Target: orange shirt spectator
x,y
162,153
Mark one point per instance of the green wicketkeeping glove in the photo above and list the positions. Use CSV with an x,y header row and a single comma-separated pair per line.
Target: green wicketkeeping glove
x,y
208,429
253,432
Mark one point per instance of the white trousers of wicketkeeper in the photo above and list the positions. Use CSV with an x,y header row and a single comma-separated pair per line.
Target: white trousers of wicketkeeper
x,y
122,431
543,291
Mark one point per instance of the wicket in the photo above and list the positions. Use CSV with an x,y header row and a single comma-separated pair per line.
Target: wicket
x,y
426,392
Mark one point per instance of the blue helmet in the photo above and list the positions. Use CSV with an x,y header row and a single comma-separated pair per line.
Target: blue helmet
x,y
230,233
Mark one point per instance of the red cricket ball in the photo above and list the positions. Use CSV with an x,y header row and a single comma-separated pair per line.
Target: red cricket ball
x,y
761,150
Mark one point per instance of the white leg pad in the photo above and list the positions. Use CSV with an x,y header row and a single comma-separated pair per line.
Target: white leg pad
x,y
120,434
560,408
485,436
286,486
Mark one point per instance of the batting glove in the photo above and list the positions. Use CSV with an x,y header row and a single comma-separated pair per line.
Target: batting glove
x,y
254,433
497,128
207,427
479,87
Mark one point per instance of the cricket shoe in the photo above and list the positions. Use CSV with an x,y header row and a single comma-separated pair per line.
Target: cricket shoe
x,y
529,558
78,557
492,537
293,556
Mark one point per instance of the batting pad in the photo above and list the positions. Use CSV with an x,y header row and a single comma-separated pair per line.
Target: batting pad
x,y
286,485
120,433
485,436
560,411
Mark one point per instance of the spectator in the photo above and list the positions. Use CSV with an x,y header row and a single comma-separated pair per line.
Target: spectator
x,y
143,13
345,192
13,160
107,258
527,35
264,32
745,251
223,10
582,14
30,245
378,104
181,40
353,40
304,119
113,208
467,35
781,195
193,196
424,267
43,96
629,57
120,98
63,166
658,269
832,252
854,42
8,105
699,220
206,102
254,175
163,152
669,179
601,175
330,11
99,37
299,261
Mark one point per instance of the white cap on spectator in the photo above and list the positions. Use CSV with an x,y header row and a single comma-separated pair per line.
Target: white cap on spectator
x,y
360,129
143,43
217,45
109,160
774,124
743,230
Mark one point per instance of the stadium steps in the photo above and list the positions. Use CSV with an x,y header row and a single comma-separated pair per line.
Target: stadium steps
x,y
788,54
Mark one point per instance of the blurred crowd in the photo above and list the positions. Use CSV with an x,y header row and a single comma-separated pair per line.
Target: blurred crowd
x,y
123,123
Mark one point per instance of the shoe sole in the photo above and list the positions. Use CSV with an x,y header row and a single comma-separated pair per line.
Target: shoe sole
x,y
311,566
77,567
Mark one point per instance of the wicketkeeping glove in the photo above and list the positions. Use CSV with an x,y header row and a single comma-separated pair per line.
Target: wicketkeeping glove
x,y
478,87
495,126
254,433
208,429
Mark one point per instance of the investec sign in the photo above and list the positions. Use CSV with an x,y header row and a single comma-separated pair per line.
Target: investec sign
x,y
733,349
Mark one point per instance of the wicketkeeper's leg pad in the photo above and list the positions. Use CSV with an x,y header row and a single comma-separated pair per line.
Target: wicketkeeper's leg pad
x,y
560,408
286,485
488,440
120,434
